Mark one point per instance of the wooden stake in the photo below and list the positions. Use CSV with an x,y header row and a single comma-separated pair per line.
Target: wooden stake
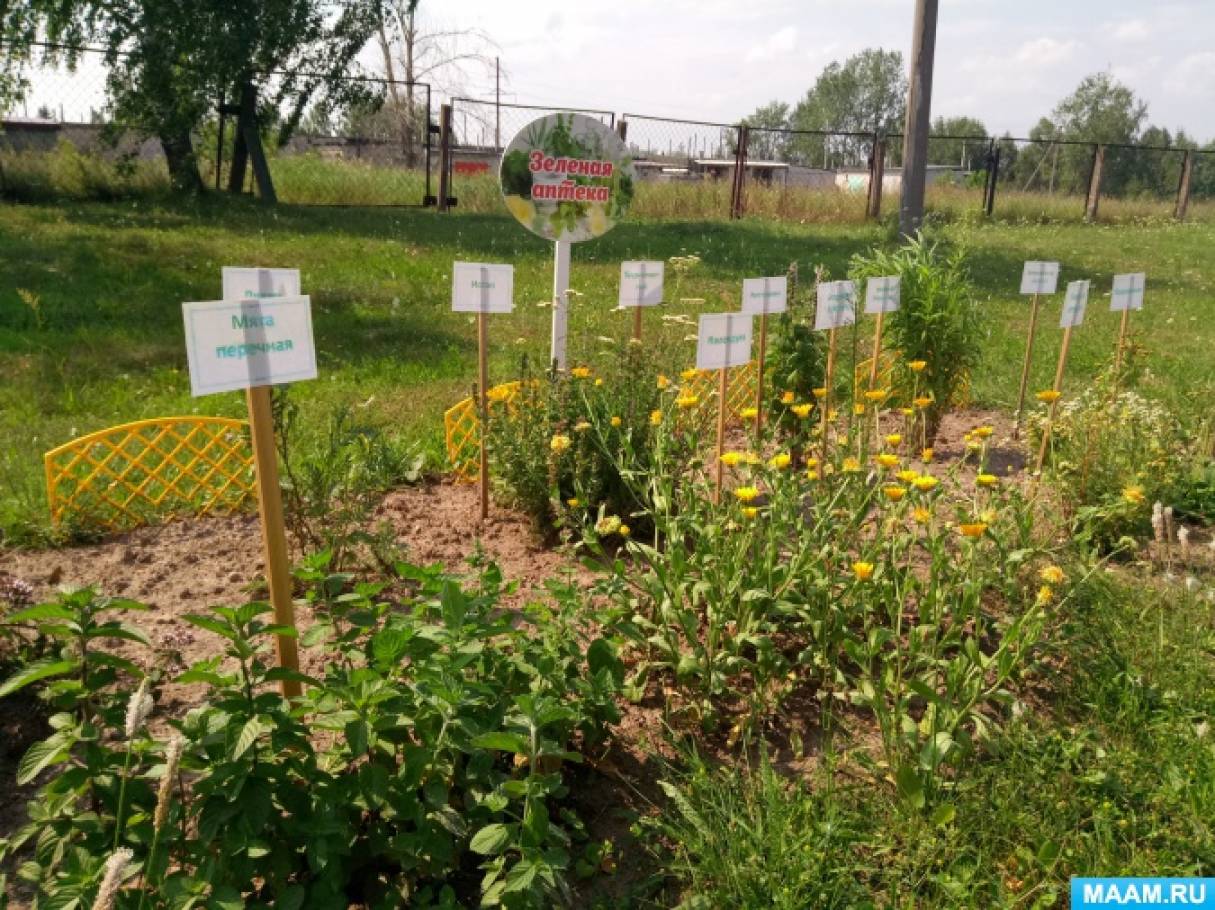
x,y
1050,420
483,402
759,375
877,350
722,389
274,533
637,323
1029,351
1126,318
827,397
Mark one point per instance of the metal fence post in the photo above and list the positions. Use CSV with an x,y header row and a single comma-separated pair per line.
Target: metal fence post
x,y
1094,184
1183,186
993,176
444,157
737,191
877,173
622,129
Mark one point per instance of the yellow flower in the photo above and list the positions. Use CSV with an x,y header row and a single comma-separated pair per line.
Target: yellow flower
x,y
858,408
559,444
906,412
877,394
1133,494
573,503
926,456
655,418
921,401
1045,595
811,461
894,439
812,474
616,421
623,530
1048,396
498,393
598,382
974,446
987,480
802,410
687,401
832,414
925,482
746,494
1052,575
907,475
731,459
887,460
982,432
780,461
820,392
581,372
748,413
917,366
787,397
582,426
750,511
663,382
973,529
921,515
893,493
607,525
862,570
690,373
852,465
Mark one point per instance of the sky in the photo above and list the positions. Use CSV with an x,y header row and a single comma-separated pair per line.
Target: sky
x,y
1007,63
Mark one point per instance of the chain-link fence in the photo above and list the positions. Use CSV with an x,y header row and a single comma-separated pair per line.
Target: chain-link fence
x,y
373,148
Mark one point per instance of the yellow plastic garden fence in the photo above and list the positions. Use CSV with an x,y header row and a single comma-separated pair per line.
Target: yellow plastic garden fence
x,y
136,473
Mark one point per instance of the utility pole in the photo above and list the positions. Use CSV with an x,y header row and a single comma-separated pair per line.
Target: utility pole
x,y
497,104
919,110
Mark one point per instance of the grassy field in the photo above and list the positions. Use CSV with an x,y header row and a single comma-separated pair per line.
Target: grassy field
x,y
91,336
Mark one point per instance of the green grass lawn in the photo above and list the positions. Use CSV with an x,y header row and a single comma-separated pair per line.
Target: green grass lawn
x,y
91,330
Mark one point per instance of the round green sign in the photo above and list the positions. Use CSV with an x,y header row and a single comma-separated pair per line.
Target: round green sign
x,y
567,177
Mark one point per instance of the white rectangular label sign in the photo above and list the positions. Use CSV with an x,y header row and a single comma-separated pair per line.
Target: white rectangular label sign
x,y
836,305
238,344
1040,278
478,287
1128,292
258,284
724,341
1073,304
640,284
765,295
882,294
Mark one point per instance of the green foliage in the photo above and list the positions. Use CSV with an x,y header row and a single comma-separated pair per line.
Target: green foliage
x,y
432,742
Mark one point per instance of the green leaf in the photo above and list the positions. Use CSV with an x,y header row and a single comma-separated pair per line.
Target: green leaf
x,y
39,669
910,789
211,625
1048,852
944,814
247,737
501,740
40,756
491,840
41,612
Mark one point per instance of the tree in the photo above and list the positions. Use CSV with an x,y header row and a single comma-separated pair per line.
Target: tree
x,y
1102,110
867,93
952,150
169,61
764,143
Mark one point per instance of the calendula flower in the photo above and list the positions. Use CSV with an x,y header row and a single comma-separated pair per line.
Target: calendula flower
x,y
690,373
802,410
787,397
894,439
893,493
973,529
687,401
139,707
573,502
616,421
655,418
907,475
598,382
498,393
917,366
749,413
820,392
921,515
746,494
663,382
862,570
1133,494
731,459
982,432
987,480
1045,595
812,474
877,394
852,465
559,443
1048,396
811,461
887,460
111,879
926,456
623,530
1052,575
164,795
582,426
780,461
858,408
581,372
607,525
921,401
750,511
925,482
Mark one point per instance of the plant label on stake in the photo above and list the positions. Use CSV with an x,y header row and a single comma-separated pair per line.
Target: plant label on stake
x,y
1074,302
259,335
482,288
1126,295
723,341
566,178
763,296
1037,278
881,297
836,309
640,286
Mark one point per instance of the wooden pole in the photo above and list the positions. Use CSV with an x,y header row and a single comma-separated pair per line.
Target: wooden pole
x,y
722,389
1058,387
1126,318
561,286
483,402
1093,199
637,322
1183,185
274,533
444,157
827,396
1029,351
919,102
877,350
759,375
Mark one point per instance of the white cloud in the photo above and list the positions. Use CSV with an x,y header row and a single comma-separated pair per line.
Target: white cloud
x,y
1129,30
779,43
1192,74
1047,51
